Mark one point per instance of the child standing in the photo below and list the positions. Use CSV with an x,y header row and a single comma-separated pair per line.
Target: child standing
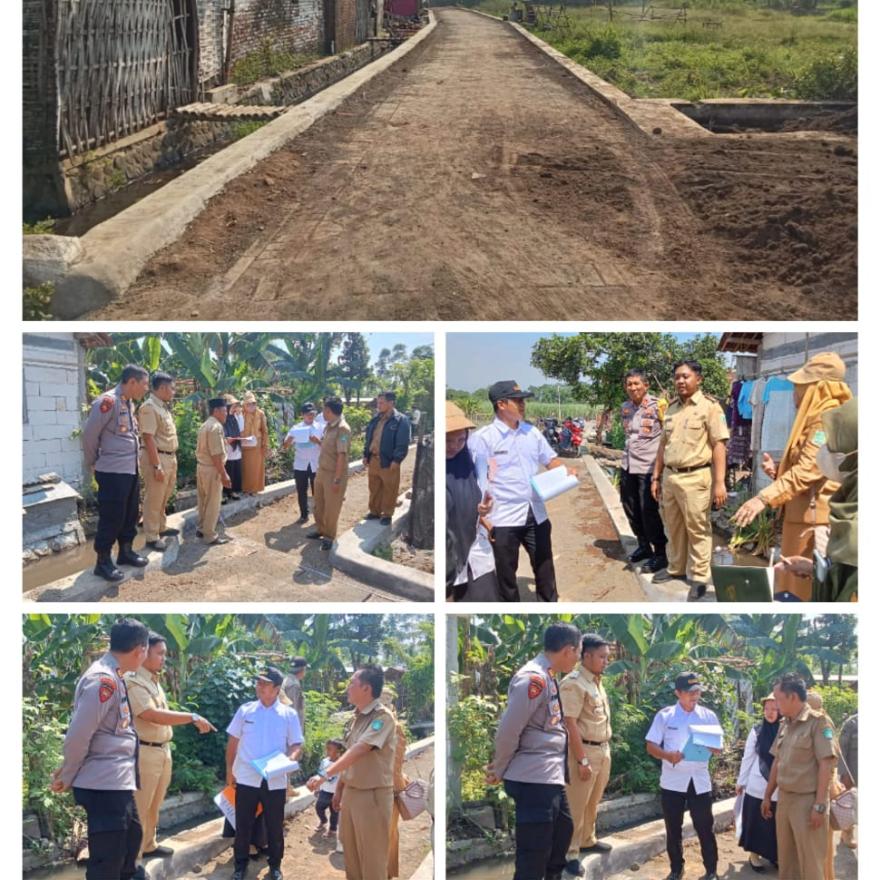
x,y
332,750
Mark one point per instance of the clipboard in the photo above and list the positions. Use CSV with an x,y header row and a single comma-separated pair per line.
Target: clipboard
x,y
743,583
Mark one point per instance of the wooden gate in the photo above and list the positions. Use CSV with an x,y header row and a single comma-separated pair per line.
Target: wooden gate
x,y
121,66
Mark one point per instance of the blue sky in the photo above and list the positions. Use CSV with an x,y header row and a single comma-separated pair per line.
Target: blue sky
x,y
475,360
377,341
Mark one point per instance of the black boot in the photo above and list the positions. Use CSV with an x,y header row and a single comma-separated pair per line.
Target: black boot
x,y
106,569
127,556
640,554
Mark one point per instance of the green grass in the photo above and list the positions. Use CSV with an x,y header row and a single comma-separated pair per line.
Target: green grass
x,y
757,52
39,227
244,128
267,62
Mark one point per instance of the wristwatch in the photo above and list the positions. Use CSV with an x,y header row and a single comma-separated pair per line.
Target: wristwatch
x,y
820,808
584,762
194,716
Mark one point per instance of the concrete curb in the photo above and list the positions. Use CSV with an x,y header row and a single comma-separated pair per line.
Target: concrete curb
x,y
116,251
674,592
88,587
189,854
651,842
351,553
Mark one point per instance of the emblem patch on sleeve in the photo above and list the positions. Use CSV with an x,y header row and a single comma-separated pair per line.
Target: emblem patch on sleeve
x,y
828,733
536,686
106,404
378,724
107,689
819,438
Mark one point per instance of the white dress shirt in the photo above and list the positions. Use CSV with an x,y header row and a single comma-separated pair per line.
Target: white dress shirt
x,y
514,456
307,453
262,731
670,730
750,770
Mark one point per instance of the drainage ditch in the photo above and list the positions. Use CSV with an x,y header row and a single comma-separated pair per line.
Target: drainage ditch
x,y
741,117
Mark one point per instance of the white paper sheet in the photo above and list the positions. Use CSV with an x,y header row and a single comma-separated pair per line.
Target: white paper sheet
x,y
553,482
275,764
301,435
709,735
249,441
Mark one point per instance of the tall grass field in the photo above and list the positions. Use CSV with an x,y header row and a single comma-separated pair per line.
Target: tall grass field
x,y
724,49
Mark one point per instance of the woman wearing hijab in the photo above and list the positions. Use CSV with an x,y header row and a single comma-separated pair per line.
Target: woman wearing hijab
x,y
401,781
758,835
233,428
253,456
799,488
470,562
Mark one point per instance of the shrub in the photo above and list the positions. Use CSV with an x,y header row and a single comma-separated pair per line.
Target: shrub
x,y
615,436
39,227
357,418
838,702
471,726
187,420
37,302
324,721
829,78
604,44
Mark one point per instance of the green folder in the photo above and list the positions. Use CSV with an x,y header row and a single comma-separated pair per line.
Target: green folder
x,y
743,583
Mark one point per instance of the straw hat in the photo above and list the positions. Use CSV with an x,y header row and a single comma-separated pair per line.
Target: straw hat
x,y
230,399
826,365
456,419
768,698
814,700
249,397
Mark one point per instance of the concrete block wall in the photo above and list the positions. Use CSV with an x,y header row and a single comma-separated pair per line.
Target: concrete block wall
x,y
39,97
54,391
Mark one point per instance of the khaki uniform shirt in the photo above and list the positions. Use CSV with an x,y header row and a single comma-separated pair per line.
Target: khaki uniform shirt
x,y
584,698
100,748
336,439
211,440
691,429
110,434
376,726
799,747
377,433
643,425
145,692
155,418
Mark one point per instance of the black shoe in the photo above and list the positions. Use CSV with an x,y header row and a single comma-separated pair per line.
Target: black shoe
x,y
672,875
199,533
140,873
663,577
304,518
597,847
314,534
127,556
710,875
159,545
553,876
695,593
758,869
169,532
107,570
326,543
275,873
574,867
654,564
239,873
160,852
640,554
372,516
385,521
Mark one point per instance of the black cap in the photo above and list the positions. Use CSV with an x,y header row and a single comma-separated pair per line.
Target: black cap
x,y
687,682
507,389
216,403
272,675
591,641
307,408
300,663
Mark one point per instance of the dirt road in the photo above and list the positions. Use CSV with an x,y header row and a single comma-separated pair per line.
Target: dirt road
x,y
477,179
268,560
308,854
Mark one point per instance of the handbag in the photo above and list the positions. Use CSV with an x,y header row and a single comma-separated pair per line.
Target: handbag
x,y
412,800
844,808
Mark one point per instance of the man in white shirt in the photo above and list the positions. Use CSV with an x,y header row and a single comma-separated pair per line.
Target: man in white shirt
x,y
258,730
684,785
514,452
305,462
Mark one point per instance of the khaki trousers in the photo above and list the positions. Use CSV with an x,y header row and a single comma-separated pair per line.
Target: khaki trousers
x,y
686,505
210,492
154,766
384,484
328,503
157,493
365,828
802,850
584,797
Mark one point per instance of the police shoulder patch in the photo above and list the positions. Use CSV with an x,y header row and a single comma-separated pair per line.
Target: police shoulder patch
x,y
819,438
536,686
106,688
828,733
106,404
378,724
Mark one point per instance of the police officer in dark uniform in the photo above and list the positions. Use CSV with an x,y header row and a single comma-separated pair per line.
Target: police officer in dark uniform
x,y
110,446
531,746
101,753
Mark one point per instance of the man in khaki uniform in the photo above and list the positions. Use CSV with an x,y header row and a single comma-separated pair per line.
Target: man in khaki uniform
x,y
587,715
211,476
158,458
153,722
332,475
805,757
689,478
365,791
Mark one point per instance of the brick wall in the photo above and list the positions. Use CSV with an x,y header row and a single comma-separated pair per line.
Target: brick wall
x,y
286,25
53,392
39,117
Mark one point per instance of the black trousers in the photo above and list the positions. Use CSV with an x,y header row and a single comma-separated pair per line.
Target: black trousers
x,y
642,511
304,480
322,804
114,831
543,828
674,803
118,507
233,468
536,539
246,799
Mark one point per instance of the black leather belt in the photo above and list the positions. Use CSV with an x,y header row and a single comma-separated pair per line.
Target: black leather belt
x,y
687,470
588,742
165,452
143,742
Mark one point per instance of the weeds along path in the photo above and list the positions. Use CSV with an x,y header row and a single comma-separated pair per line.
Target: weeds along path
x,y
477,179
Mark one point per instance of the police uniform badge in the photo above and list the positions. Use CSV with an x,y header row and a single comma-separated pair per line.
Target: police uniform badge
x,y
536,686
378,724
106,689
106,404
